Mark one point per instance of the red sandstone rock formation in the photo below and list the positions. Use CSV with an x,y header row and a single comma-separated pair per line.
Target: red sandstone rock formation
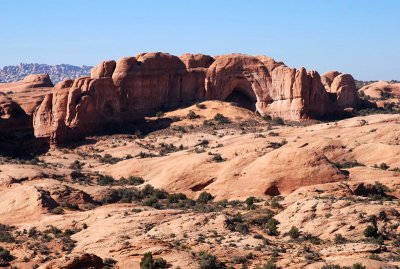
x,y
18,101
136,87
344,89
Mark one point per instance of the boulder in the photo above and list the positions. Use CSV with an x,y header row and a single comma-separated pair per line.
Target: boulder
x,y
196,60
103,70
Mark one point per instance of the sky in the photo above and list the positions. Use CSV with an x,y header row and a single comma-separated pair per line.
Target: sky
x,y
360,37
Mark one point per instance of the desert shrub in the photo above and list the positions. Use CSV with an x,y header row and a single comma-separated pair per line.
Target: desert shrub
x,y
143,155
208,261
132,180
275,202
79,177
273,134
371,231
354,266
147,262
107,158
6,237
381,189
312,238
358,266
278,121
57,210
176,197
294,232
236,223
250,202
5,234
383,216
331,266
5,255
221,119
272,227
33,232
76,165
109,261
192,115
276,145
105,180
267,117
348,164
204,197
218,158
384,166
374,257
339,239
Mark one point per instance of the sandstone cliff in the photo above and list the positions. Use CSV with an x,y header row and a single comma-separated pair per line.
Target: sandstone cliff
x,y
18,101
135,87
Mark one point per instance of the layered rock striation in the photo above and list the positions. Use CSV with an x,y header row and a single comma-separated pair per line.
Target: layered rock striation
x,y
136,87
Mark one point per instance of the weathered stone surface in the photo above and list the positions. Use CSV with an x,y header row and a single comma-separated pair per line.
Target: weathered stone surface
x,y
76,261
135,87
346,93
12,117
196,60
328,78
103,70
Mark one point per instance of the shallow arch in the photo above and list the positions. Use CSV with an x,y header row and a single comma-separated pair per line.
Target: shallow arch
x,y
242,94
238,78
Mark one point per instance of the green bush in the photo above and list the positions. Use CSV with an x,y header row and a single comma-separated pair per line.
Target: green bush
x,y
105,180
221,119
218,158
278,121
192,115
5,255
371,231
76,165
250,202
384,166
294,232
267,117
272,227
204,197
208,261
312,239
147,262
339,239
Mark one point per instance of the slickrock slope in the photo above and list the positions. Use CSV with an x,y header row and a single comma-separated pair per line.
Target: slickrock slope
x,y
383,92
380,88
318,177
126,91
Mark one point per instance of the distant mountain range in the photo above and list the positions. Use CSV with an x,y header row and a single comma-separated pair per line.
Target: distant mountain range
x,y
56,72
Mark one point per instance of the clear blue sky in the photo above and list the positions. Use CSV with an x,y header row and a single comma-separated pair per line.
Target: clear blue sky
x,y
361,37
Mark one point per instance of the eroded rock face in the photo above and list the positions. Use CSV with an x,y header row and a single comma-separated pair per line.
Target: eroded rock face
x,y
18,101
116,93
134,87
275,88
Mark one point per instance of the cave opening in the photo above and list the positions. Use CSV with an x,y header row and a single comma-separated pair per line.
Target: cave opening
x,y
240,97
